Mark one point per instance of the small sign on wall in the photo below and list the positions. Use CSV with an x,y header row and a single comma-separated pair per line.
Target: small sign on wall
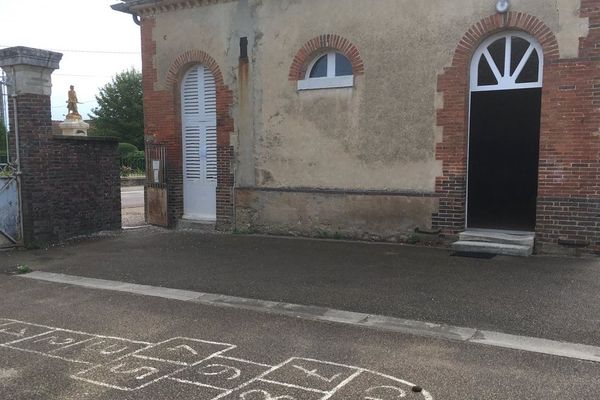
x,y
156,170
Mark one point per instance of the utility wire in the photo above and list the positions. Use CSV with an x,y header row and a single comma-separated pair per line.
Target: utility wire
x,y
86,51
84,76
81,102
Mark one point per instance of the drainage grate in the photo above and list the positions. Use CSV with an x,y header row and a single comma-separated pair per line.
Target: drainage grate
x,y
473,254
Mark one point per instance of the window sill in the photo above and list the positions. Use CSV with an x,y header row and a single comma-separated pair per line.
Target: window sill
x,y
326,83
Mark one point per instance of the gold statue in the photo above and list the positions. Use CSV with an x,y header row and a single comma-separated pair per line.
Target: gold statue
x,y
73,113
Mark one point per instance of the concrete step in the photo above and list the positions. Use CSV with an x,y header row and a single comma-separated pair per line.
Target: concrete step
x,y
522,239
469,246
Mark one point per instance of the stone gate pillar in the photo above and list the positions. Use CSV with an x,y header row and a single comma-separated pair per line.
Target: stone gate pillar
x,y
29,76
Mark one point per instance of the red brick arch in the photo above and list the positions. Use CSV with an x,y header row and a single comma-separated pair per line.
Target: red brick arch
x,y
186,60
225,127
321,43
453,84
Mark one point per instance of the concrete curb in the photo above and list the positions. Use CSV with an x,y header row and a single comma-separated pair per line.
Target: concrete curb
x,y
314,313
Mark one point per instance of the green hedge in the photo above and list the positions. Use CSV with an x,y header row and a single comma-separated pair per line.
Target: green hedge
x,y
136,161
126,148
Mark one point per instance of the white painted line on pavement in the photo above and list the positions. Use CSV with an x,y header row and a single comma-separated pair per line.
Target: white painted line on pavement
x,y
380,322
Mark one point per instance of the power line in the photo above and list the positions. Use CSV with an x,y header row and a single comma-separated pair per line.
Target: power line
x,y
82,102
84,76
86,51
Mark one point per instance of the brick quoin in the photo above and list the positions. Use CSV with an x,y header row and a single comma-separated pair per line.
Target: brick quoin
x,y
162,120
568,207
320,44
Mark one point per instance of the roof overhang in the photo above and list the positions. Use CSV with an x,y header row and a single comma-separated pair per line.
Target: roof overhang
x,y
127,6
149,7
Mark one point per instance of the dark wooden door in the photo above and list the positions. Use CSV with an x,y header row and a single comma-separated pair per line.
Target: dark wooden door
x,y
503,159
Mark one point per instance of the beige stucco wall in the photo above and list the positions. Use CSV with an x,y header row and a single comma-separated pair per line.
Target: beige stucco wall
x,y
380,134
345,215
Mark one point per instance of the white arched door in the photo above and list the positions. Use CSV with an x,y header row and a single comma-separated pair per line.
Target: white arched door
x,y
199,143
504,132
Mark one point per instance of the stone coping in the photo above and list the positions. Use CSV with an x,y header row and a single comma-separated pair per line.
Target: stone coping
x,y
21,55
87,138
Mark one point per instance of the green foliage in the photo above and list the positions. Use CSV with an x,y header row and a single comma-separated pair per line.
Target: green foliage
x,y
323,234
133,163
120,109
23,269
412,239
126,148
3,149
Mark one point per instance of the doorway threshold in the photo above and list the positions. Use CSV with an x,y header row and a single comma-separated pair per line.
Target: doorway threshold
x,y
198,225
504,231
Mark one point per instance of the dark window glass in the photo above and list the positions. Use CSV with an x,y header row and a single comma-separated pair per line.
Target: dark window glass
x,y
531,70
519,47
320,68
498,52
485,76
342,65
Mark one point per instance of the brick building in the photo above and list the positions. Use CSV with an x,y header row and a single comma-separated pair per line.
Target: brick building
x,y
375,118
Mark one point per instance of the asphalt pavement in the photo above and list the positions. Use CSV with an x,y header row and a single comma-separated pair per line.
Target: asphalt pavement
x,y
132,206
63,342
545,297
132,197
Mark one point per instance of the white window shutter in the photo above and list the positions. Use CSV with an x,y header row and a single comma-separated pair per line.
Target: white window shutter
x,y
199,102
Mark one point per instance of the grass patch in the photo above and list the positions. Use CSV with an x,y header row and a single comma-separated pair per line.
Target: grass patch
x,y
412,239
23,269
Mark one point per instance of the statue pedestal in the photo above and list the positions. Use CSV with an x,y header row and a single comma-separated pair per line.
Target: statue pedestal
x,y
73,126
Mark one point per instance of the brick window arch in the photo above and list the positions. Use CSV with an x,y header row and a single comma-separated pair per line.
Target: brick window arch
x,y
454,87
185,60
321,45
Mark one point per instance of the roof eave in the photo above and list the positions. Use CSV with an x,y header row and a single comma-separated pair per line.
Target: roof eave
x,y
127,6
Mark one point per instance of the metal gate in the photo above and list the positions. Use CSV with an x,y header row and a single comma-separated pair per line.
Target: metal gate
x,y
156,184
10,210
10,205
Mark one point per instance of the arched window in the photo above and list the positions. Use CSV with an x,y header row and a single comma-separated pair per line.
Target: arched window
x,y
509,60
329,70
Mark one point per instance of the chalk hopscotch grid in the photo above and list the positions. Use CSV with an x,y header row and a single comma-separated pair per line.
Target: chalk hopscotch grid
x,y
12,321
357,371
51,330
229,348
135,355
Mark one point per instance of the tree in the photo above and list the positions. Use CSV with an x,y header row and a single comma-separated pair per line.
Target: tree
x,y
120,109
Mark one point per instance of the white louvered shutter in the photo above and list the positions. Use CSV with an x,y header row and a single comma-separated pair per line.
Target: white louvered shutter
x,y
199,114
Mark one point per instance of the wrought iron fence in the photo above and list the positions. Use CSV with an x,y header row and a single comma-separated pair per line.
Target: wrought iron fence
x,y
4,125
10,203
156,165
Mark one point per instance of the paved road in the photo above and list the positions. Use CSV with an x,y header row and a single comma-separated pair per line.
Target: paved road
x,y
546,297
132,197
68,342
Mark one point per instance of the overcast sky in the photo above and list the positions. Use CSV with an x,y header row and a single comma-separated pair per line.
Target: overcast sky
x,y
96,43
